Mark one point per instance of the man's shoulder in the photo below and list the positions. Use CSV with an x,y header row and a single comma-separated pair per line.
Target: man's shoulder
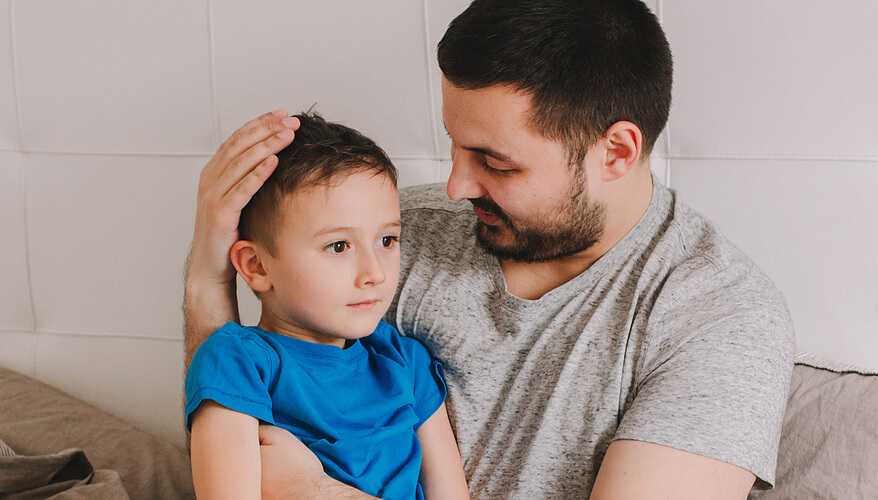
x,y
431,221
705,269
703,251
428,197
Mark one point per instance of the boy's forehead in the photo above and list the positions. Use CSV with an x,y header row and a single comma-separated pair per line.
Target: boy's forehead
x,y
359,199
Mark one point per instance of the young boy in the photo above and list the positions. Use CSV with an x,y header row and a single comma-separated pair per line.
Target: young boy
x,y
319,245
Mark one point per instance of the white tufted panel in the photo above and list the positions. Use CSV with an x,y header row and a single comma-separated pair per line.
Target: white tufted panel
x,y
136,379
362,63
108,110
15,307
811,227
774,79
9,136
774,135
108,236
98,76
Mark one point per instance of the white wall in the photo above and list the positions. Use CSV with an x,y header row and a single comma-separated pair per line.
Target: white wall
x,y
108,110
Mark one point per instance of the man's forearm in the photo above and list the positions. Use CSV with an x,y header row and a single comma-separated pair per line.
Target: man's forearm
x,y
206,307
318,487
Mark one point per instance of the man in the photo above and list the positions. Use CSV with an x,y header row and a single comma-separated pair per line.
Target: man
x,y
599,338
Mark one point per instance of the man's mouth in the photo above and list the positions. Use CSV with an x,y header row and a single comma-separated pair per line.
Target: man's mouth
x,y
486,217
487,211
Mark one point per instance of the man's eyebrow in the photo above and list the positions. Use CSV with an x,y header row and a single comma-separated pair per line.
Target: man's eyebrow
x,y
491,153
483,151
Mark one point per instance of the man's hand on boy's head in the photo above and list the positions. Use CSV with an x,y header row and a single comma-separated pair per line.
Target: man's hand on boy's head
x,y
228,181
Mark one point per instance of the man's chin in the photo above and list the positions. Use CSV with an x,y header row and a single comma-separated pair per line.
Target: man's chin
x,y
497,241
501,243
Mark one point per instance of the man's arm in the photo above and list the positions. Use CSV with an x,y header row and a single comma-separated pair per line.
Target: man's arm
x,y
225,453
636,469
291,470
441,470
227,182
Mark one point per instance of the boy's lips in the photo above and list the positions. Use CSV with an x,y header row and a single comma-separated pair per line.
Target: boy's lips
x,y
366,304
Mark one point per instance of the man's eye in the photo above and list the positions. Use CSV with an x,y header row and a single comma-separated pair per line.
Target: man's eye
x,y
494,171
388,241
337,247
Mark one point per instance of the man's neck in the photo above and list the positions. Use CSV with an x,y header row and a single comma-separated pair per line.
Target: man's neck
x,y
532,280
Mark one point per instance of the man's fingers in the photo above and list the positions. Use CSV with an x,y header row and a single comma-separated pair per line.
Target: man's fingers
x,y
258,130
251,167
240,194
255,165
245,138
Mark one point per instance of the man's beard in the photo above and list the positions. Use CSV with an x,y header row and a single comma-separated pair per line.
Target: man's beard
x,y
576,226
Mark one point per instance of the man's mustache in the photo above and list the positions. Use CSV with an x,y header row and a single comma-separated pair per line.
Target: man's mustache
x,y
489,206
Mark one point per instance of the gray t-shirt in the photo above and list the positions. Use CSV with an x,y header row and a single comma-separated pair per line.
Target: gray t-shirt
x,y
672,337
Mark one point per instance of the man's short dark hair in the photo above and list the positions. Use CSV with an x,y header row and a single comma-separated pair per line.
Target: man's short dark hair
x,y
320,152
586,64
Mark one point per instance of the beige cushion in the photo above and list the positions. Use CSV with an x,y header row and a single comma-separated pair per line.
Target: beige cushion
x,y
36,419
829,441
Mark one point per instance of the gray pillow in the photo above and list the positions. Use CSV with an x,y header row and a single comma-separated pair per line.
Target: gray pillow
x,y
829,441
36,419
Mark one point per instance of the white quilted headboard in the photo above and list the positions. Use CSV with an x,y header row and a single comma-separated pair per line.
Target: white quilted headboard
x,y
108,110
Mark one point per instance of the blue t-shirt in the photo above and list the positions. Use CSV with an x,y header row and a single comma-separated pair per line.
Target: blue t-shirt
x,y
358,409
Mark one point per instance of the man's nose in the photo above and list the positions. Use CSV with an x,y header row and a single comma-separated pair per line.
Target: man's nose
x,y
463,182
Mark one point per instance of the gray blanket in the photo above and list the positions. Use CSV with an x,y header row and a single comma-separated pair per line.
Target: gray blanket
x,y
66,475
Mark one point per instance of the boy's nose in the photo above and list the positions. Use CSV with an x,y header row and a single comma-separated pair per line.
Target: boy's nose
x,y
371,272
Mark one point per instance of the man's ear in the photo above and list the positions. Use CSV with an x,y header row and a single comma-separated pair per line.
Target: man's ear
x,y
246,258
623,142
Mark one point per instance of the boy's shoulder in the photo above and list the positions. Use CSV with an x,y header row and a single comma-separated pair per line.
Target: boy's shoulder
x,y
232,335
232,329
386,340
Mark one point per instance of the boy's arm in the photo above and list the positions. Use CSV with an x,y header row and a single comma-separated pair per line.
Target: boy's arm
x,y
227,182
225,453
441,470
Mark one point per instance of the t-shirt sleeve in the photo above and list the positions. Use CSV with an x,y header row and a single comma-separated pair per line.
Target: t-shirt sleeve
x,y
233,369
716,377
427,377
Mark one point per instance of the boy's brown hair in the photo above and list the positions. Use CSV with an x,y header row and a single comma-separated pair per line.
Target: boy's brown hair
x,y
320,152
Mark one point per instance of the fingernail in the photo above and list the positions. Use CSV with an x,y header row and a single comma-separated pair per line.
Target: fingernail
x,y
289,122
279,113
285,133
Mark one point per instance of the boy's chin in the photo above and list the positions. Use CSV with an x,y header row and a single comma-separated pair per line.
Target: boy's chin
x,y
364,332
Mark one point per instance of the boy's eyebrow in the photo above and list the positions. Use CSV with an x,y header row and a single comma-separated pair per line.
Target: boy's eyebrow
x,y
343,229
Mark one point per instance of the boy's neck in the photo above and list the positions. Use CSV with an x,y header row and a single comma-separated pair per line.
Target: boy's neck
x,y
274,324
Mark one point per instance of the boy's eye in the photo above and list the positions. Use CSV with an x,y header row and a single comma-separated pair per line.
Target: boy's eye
x,y
387,241
337,247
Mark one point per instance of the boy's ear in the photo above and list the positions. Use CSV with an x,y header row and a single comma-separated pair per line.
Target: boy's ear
x,y
246,259
624,143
